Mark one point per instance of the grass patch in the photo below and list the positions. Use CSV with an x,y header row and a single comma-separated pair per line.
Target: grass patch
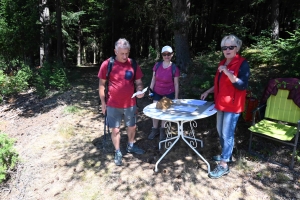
x,y
242,158
66,131
265,173
72,109
282,178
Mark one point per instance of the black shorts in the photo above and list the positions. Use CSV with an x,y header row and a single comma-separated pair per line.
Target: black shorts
x,y
157,97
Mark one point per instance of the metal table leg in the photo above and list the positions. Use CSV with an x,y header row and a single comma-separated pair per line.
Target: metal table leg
x,y
192,143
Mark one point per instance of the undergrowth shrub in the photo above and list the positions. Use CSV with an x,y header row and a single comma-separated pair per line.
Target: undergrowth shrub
x,y
20,82
282,52
3,84
289,52
152,52
201,75
59,79
262,51
15,84
8,156
50,76
54,75
39,85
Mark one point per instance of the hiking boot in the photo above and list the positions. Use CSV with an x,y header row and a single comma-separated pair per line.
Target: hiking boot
x,y
218,158
118,158
162,134
153,133
218,172
134,149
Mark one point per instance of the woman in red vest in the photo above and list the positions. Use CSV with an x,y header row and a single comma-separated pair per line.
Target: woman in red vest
x,y
229,90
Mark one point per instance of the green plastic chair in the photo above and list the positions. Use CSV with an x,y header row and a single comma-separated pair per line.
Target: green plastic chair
x,y
281,121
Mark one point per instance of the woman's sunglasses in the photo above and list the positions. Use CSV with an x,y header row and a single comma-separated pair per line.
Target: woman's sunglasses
x,y
166,54
227,47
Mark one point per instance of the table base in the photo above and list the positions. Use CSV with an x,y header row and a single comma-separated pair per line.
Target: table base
x,y
189,139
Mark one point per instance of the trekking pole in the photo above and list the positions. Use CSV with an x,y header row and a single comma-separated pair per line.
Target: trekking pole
x,y
105,132
105,126
104,138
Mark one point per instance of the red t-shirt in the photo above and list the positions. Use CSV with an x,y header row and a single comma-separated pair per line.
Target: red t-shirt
x,y
164,83
121,83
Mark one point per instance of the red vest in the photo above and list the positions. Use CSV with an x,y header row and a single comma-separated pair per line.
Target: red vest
x,y
227,97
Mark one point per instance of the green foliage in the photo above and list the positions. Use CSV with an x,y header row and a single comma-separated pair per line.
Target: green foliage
x,y
39,85
19,35
289,52
201,74
236,29
59,79
51,76
8,155
262,51
14,84
152,52
3,82
72,109
20,81
281,52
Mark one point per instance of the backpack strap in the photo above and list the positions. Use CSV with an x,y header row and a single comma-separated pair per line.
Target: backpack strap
x,y
157,65
134,66
173,70
109,68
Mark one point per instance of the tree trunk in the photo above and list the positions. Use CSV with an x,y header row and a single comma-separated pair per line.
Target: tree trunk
x,y
181,12
210,28
59,31
44,46
275,23
79,44
156,39
84,56
94,55
112,24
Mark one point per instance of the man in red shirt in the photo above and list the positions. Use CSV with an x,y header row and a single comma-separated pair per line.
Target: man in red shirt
x,y
122,81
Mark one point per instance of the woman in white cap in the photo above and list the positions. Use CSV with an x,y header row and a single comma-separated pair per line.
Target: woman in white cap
x,y
165,83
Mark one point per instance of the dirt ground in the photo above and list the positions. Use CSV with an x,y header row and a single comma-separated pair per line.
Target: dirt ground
x,y
63,156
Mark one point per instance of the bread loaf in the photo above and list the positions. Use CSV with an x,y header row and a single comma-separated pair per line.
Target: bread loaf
x,y
164,103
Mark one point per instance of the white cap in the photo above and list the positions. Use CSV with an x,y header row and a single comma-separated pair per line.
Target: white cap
x,y
167,48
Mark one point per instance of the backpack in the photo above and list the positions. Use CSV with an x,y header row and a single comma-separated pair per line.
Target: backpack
x,y
109,68
173,68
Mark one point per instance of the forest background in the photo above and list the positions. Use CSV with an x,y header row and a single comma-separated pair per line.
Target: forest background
x,y
58,35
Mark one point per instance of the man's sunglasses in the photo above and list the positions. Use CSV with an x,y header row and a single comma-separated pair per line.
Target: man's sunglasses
x,y
166,54
227,47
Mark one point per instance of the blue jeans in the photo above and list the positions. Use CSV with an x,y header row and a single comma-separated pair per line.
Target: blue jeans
x,y
226,123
